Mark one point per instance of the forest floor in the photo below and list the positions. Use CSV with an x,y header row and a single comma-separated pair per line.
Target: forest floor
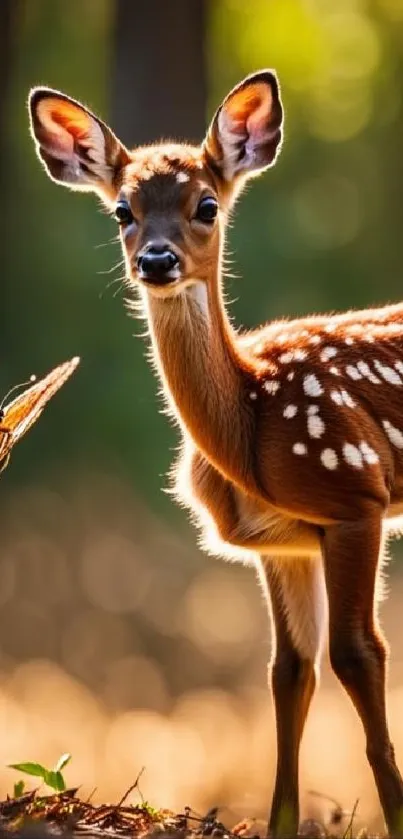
x,y
65,813
36,816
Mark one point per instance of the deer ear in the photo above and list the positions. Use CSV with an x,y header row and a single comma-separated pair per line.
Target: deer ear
x,y
246,132
76,148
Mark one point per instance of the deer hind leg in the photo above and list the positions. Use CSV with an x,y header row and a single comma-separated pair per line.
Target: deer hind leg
x,y
299,618
351,554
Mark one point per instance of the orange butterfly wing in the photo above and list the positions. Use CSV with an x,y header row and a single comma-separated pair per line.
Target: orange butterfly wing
x,y
27,407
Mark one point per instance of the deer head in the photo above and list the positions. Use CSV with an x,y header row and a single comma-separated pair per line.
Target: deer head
x,y
170,200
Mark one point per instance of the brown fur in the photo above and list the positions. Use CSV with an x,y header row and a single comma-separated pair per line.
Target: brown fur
x,y
292,438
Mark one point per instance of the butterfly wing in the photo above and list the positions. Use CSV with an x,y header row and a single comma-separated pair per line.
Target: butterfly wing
x,y
27,407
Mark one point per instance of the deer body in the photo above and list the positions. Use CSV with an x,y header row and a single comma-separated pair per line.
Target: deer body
x,y
319,399
292,434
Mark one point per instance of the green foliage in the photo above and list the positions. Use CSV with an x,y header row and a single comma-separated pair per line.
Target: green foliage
x,y
153,811
51,777
19,787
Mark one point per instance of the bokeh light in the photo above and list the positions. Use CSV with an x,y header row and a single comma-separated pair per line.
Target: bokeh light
x,y
185,696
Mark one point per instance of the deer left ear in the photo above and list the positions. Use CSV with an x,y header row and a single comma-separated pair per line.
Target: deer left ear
x,y
76,147
246,133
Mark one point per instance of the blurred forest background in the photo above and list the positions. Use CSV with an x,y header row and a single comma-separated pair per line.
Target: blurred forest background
x,y
119,641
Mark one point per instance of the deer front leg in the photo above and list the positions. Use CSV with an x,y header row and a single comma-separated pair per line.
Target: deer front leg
x,y
357,649
298,606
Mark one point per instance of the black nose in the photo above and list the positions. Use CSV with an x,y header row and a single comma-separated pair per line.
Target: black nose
x,y
156,263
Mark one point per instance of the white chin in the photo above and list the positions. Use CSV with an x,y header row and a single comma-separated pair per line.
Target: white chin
x,y
171,289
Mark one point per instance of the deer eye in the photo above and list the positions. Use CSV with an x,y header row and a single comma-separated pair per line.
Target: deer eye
x,y
207,210
123,213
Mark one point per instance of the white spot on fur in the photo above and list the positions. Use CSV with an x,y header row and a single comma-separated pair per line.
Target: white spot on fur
x,y
349,341
312,409
366,371
316,339
335,371
290,411
271,387
352,456
253,394
290,376
182,178
312,386
329,459
399,367
316,426
370,456
393,328
353,372
328,353
341,397
347,399
395,436
337,397
387,373
293,355
300,448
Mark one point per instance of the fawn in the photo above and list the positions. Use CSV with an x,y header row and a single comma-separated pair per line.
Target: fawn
x,y
292,434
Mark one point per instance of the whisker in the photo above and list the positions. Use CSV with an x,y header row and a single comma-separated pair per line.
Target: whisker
x,y
229,275
112,282
231,300
114,267
123,285
114,241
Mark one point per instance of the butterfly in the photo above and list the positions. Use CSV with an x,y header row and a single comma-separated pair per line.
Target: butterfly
x,y
18,416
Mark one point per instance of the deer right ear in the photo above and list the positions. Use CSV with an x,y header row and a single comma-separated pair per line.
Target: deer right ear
x,y
76,148
245,135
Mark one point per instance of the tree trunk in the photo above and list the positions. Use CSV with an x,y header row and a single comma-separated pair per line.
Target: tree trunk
x,y
159,73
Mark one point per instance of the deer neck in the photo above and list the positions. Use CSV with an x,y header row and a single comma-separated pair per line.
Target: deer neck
x,y
204,379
